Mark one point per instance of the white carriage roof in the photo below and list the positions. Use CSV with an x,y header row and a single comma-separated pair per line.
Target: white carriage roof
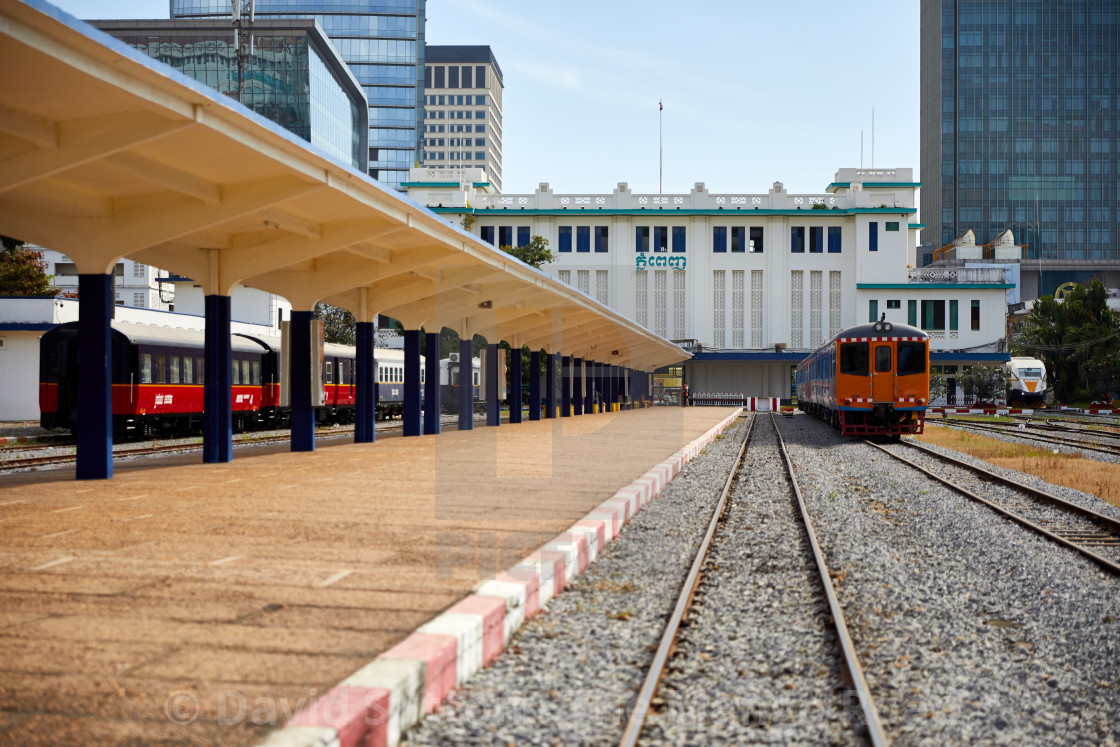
x,y
106,153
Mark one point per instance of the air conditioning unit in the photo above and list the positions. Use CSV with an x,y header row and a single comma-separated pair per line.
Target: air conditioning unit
x,y
453,357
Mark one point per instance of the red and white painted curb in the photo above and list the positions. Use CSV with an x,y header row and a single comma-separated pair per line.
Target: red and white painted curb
x,y
374,706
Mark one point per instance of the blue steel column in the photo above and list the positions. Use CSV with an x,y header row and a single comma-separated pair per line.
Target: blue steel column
x,y
94,429
577,386
515,385
411,416
534,385
431,384
566,387
466,384
217,387
612,386
493,407
550,366
365,387
299,365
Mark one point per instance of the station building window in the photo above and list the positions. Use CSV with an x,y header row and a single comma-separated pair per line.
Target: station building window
x,y
756,239
565,239
933,315
894,304
816,239
952,315
872,311
834,239
583,238
487,233
873,236
678,238
719,239
660,239
738,239
641,238
912,313
975,315
601,239
797,239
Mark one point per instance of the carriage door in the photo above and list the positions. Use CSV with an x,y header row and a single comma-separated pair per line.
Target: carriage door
x,y
882,374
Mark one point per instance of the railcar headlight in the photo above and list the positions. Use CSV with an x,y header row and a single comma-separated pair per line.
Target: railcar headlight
x,y
887,327
848,401
878,327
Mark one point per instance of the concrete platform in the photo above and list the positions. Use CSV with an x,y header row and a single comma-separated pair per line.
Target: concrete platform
x,y
209,603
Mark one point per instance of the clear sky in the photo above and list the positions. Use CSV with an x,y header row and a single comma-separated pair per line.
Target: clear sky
x,y
755,91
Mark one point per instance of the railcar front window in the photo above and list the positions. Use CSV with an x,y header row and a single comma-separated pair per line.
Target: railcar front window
x,y
1030,373
882,358
854,358
911,358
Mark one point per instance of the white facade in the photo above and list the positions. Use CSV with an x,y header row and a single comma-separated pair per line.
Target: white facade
x,y
249,305
135,284
749,281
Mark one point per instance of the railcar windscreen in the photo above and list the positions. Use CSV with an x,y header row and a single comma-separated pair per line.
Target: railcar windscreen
x,y
911,358
854,358
882,358
1030,373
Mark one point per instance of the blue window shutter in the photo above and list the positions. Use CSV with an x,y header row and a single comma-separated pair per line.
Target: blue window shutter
x,y
565,239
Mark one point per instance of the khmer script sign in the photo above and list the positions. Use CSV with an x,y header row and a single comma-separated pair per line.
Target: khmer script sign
x,y
676,261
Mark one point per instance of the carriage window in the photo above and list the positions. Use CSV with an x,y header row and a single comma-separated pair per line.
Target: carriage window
x,y
454,378
160,374
882,358
188,369
173,369
330,373
246,379
853,358
911,358
145,368
233,378
476,378
256,369
199,366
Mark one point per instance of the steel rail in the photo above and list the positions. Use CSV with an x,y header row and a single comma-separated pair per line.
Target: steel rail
x,y
1073,508
1011,430
665,648
875,732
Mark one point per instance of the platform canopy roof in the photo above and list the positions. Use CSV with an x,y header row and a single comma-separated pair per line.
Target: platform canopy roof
x,y
106,153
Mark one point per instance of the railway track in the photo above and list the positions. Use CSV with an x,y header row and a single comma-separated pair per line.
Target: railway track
x,y
8,464
705,572
1088,532
1111,449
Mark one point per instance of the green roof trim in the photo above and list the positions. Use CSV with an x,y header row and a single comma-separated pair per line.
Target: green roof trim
x,y
482,185
933,286
915,225
662,211
454,185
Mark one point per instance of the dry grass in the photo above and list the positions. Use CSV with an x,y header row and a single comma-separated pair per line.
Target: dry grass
x,y
1099,478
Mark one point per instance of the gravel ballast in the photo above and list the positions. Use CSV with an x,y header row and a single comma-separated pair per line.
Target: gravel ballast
x,y
570,673
969,628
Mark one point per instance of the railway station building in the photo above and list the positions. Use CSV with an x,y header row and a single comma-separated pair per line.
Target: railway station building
x,y
748,282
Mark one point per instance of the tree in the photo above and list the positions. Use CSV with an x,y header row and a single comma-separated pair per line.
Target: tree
x,y
937,384
535,253
23,271
338,324
1078,339
982,383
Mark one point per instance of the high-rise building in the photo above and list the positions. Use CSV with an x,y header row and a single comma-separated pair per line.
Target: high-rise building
x,y
1020,130
291,74
463,110
382,41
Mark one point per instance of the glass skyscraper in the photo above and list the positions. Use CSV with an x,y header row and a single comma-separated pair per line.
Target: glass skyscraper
x,y
1020,129
382,41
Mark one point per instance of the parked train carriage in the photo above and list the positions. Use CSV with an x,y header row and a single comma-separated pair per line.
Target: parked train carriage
x,y
339,377
1026,382
158,378
872,379
449,381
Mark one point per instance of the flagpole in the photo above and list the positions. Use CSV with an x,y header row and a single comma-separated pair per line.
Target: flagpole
x,y
660,146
